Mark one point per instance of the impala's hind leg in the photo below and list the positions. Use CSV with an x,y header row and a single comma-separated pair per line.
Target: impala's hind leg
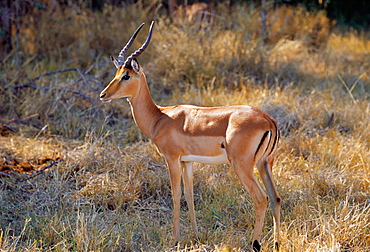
x,y
245,171
265,170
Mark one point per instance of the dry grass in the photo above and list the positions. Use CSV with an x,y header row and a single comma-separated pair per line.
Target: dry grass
x,y
110,191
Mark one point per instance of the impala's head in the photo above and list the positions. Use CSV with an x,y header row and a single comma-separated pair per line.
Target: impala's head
x,y
129,72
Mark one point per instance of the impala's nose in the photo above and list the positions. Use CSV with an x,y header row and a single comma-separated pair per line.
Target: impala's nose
x,y
102,98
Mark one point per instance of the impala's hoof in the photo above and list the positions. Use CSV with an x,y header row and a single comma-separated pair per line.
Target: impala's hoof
x,y
256,246
175,243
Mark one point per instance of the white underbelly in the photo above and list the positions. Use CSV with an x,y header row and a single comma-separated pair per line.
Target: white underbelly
x,y
213,160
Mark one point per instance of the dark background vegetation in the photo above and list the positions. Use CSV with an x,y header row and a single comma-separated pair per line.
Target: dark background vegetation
x,y
354,13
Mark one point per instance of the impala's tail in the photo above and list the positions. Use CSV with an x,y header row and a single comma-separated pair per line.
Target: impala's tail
x,y
270,140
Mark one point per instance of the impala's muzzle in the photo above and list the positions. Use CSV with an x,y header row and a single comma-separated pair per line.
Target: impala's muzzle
x,y
104,100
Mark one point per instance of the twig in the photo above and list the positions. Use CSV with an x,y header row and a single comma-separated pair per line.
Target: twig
x,y
69,62
355,83
56,72
52,163
28,84
347,88
41,130
84,79
4,174
82,75
22,121
86,97
33,85
330,121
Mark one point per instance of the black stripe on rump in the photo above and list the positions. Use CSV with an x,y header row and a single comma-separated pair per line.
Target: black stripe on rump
x,y
261,142
277,136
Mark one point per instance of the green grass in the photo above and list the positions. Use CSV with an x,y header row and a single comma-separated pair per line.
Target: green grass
x,y
111,190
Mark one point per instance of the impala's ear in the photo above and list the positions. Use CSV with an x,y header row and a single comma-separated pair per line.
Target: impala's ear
x,y
135,65
115,61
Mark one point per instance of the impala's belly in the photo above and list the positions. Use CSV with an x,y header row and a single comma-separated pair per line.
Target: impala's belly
x,y
214,160
207,150
201,149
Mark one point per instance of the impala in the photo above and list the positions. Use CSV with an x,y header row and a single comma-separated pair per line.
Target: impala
x,y
243,136
200,14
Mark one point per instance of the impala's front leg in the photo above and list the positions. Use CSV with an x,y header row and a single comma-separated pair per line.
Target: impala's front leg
x,y
187,175
175,178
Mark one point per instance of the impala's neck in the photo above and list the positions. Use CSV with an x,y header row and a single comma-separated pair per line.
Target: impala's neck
x,y
144,110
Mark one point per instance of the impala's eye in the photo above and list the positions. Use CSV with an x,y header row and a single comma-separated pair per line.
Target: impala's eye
x,y
125,77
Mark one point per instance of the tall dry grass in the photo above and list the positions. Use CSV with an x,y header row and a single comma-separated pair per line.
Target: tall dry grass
x,y
111,190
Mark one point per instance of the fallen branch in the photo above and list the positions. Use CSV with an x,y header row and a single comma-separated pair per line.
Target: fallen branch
x,y
33,85
57,72
38,172
21,121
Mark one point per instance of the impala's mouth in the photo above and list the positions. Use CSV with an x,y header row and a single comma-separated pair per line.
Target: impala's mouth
x,y
105,100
